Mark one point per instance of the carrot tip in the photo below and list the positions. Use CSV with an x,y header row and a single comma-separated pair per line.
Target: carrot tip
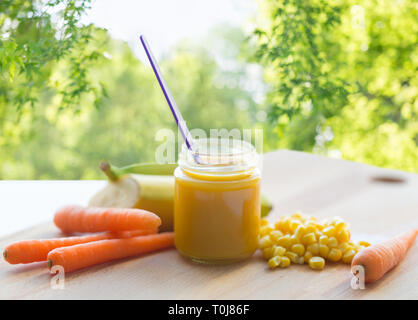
x,y
5,254
50,263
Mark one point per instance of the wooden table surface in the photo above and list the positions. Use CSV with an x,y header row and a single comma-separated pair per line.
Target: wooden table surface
x,y
375,208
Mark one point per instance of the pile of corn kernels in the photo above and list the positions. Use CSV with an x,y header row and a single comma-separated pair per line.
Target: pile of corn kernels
x,y
302,239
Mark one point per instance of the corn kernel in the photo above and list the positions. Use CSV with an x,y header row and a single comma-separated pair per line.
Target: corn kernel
x,y
318,234
360,248
336,220
343,235
265,230
325,222
332,242
323,240
293,224
284,241
292,256
285,225
299,249
278,251
297,239
278,225
364,244
348,256
323,250
302,219
297,215
310,229
344,246
308,217
264,222
300,260
309,238
313,248
300,231
265,242
268,253
335,254
284,262
317,263
329,231
318,226
274,262
341,225
308,255
310,222
275,235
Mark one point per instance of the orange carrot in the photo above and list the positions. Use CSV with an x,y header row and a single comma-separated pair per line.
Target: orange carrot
x,y
84,255
28,251
90,219
380,258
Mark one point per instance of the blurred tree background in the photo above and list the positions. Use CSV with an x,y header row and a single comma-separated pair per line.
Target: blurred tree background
x,y
343,78
340,78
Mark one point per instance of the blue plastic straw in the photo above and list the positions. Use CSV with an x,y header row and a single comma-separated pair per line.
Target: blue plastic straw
x,y
168,96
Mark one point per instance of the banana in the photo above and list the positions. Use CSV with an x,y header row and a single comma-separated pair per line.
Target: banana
x,y
150,192
114,173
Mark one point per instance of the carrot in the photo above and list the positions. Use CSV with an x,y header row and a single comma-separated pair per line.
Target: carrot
x,y
84,255
28,251
91,219
380,258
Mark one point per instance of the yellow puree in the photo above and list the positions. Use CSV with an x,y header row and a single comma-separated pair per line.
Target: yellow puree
x,y
216,218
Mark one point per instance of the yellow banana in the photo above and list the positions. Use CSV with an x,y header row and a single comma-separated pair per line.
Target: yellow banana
x,y
150,192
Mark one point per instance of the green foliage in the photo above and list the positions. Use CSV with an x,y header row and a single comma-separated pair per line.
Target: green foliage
x,y
34,36
343,78
45,60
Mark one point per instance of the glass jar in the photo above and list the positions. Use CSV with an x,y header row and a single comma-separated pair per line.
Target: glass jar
x,y
217,201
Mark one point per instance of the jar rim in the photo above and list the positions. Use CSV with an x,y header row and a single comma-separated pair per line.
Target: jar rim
x,y
218,155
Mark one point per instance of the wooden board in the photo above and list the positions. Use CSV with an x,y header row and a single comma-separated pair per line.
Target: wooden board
x,y
294,181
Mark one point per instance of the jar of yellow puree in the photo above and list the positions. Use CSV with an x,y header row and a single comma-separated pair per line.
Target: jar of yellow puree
x,y
217,201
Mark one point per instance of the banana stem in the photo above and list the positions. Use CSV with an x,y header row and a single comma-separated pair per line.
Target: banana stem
x,y
108,170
